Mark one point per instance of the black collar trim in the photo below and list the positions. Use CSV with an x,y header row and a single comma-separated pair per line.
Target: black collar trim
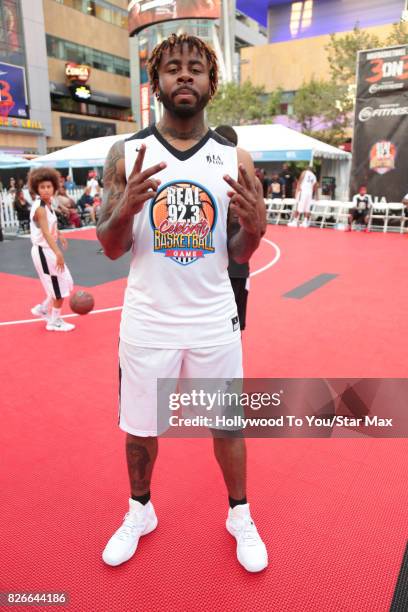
x,y
181,155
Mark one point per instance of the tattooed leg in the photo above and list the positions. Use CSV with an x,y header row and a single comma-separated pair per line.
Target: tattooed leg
x,y
141,454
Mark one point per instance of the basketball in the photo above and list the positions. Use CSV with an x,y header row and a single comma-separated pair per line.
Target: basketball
x,y
81,302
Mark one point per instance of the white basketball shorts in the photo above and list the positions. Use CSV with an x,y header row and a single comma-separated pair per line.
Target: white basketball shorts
x,y
56,284
304,202
140,367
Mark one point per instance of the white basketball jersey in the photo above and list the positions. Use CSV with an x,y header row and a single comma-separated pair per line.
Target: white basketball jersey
x,y
179,294
37,237
308,182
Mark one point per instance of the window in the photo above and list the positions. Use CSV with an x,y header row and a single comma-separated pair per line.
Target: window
x,y
301,16
78,129
68,51
65,104
101,9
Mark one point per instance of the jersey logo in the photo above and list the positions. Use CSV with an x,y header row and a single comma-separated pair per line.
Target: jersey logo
x,y
183,217
214,159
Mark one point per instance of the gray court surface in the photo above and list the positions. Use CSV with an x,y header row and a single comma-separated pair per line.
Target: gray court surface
x,y
309,286
88,267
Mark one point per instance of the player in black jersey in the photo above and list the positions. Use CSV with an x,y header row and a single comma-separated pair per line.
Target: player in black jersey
x,y
362,204
238,273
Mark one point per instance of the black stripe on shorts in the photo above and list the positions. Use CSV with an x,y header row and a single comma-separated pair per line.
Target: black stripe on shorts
x,y
56,287
46,270
43,261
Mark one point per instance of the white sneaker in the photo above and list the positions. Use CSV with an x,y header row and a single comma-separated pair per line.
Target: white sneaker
x,y
251,551
305,223
140,520
59,325
38,311
293,223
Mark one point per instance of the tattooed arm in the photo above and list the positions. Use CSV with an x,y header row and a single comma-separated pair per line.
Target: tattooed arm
x,y
121,200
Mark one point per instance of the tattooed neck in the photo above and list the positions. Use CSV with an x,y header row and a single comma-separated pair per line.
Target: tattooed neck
x,y
172,133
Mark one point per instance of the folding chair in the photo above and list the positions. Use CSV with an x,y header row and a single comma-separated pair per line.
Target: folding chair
x,y
378,212
318,212
395,217
273,209
289,206
343,213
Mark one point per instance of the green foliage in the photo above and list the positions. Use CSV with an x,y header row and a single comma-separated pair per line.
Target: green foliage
x,y
322,108
239,104
342,53
399,34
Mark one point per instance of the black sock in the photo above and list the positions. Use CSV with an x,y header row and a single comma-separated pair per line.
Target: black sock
x,y
236,502
142,499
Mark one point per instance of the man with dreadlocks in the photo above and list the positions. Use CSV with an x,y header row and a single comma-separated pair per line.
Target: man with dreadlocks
x,y
167,194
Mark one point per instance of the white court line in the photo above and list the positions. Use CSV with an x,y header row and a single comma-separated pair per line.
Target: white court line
x,y
94,312
271,263
69,316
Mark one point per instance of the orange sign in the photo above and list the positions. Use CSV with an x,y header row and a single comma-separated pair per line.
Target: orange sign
x,y
13,122
77,72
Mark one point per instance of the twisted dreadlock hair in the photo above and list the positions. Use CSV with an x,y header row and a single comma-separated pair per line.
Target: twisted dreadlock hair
x,y
193,42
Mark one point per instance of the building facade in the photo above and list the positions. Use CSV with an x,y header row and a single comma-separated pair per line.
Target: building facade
x,y
72,58
75,74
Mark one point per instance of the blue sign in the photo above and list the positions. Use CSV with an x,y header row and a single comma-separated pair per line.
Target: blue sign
x,y
13,91
286,155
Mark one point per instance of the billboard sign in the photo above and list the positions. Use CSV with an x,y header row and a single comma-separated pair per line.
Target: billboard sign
x,y
380,145
143,13
13,91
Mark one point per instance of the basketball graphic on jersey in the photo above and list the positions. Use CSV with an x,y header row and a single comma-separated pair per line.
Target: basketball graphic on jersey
x,y
183,216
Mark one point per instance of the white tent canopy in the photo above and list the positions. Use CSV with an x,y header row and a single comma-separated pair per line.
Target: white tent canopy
x,y
280,143
277,143
90,153
12,161
265,143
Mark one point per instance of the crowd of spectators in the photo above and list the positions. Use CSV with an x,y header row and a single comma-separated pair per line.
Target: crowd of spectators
x,y
70,214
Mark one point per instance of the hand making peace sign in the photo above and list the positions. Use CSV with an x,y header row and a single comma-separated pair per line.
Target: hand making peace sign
x,y
140,187
244,200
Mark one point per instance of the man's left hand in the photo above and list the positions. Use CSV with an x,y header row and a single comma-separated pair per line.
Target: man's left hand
x,y
244,200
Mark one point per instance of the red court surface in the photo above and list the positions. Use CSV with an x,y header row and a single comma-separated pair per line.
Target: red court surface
x,y
333,512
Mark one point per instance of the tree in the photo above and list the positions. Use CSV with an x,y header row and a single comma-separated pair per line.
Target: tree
x,y
322,109
238,104
399,34
342,53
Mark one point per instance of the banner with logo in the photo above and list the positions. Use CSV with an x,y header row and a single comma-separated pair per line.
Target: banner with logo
x,y
143,13
380,145
13,90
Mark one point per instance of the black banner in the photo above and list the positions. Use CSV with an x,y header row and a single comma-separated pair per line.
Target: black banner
x,y
380,145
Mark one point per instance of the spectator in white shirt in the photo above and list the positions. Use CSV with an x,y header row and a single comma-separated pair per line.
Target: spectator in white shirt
x,y
93,184
362,204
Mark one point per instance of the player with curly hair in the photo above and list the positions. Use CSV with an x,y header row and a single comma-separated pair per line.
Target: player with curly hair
x,y
47,256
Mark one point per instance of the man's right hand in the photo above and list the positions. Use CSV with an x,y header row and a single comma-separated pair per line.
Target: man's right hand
x,y
60,262
140,186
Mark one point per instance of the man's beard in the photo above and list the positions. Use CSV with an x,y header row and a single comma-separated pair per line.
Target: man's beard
x,y
183,111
